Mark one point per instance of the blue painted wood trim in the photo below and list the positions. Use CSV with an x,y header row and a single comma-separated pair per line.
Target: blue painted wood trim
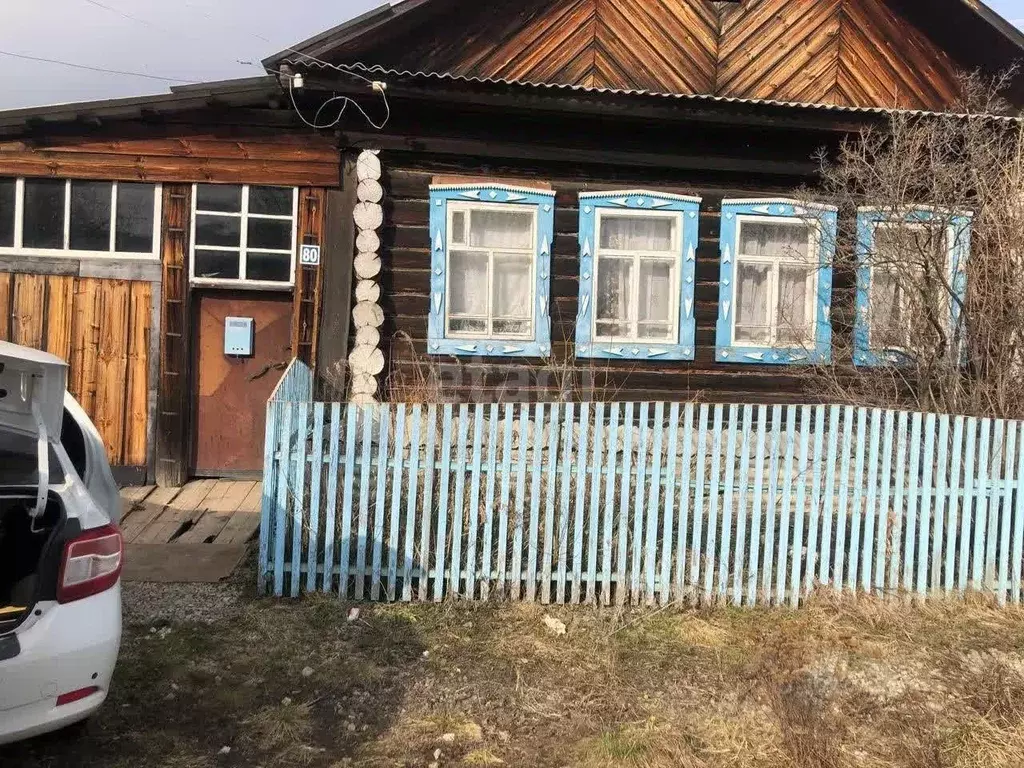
x,y
638,201
544,202
727,351
863,354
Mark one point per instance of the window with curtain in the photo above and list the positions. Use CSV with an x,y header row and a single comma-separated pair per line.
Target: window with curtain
x,y
70,217
491,253
637,267
910,268
775,285
490,270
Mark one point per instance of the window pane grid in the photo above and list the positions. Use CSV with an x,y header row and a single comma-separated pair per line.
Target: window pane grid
x,y
641,265
769,310
262,270
512,323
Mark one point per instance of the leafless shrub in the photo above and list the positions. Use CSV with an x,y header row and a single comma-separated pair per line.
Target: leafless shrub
x,y
955,350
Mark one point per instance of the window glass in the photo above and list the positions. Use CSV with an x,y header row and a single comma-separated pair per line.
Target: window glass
x,y
133,231
272,267
467,284
224,231
655,306
500,229
787,240
458,233
90,215
222,265
8,194
272,234
637,233
752,297
44,213
219,197
276,201
792,317
512,294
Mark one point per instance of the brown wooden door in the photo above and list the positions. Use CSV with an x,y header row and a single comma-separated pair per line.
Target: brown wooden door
x,y
230,414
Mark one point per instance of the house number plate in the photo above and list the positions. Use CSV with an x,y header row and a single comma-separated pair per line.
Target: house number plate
x,y
310,256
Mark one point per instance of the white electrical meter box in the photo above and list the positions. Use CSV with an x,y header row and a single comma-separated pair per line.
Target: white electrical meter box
x,y
238,336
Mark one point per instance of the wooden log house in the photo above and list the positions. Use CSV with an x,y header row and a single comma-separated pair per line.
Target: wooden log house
x,y
551,205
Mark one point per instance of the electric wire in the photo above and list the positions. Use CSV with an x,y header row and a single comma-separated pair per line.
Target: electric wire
x,y
93,69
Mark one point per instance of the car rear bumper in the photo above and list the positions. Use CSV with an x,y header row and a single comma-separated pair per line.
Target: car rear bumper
x,y
69,648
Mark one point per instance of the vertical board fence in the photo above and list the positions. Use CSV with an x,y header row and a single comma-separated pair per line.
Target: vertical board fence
x,y
613,503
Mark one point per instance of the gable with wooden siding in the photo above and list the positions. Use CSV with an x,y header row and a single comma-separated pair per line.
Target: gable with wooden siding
x,y
846,52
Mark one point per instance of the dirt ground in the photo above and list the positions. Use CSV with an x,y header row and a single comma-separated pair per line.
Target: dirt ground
x,y
305,683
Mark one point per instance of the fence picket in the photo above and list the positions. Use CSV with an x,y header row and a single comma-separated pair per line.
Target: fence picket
x,y
1010,480
458,502
812,535
364,501
506,484
492,472
741,508
268,500
472,570
668,519
730,479
384,415
825,559
842,511
967,506
771,510
653,505
330,523
520,519
440,548
396,500
410,509
981,505
913,486
924,517
637,550
595,505
684,502
563,518
315,480
882,522
280,530
549,506
299,497
427,510
755,527
998,475
351,421
897,516
1018,527
622,564
938,514
782,569
853,562
801,497
870,512
609,504
579,511
698,498
954,503
711,538
535,494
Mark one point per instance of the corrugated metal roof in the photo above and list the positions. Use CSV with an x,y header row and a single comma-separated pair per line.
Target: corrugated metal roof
x,y
384,72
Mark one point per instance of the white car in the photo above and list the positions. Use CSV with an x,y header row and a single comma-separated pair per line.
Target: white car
x,y
60,552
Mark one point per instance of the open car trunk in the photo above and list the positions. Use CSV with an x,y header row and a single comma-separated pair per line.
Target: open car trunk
x,y
32,516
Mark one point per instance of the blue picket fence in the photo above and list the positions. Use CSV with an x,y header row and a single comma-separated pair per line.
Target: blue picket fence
x,y
647,502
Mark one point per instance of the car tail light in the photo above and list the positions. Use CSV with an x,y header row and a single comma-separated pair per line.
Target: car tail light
x,y
73,696
92,563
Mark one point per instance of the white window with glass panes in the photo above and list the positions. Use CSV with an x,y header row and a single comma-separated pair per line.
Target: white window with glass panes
x,y
243,235
898,279
491,254
72,218
637,276
775,290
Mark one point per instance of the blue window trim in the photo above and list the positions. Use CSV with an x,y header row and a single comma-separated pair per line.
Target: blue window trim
x,y
960,248
637,200
726,350
438,343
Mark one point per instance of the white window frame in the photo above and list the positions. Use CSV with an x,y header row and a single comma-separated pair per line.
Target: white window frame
x,y
467,208
812,263
66,252
950,237
243,250
676,280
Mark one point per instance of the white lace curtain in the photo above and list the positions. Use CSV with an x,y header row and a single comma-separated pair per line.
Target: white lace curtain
x,y
633,233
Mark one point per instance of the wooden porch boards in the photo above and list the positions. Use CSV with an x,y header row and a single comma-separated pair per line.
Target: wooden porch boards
x,y
196,533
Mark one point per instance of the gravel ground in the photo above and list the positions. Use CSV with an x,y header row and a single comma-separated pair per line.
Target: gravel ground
x,y
175,603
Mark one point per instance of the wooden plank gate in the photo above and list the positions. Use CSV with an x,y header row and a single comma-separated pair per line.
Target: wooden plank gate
x,y
651,503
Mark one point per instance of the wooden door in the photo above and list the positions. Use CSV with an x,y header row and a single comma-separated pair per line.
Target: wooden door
x,y
230,412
